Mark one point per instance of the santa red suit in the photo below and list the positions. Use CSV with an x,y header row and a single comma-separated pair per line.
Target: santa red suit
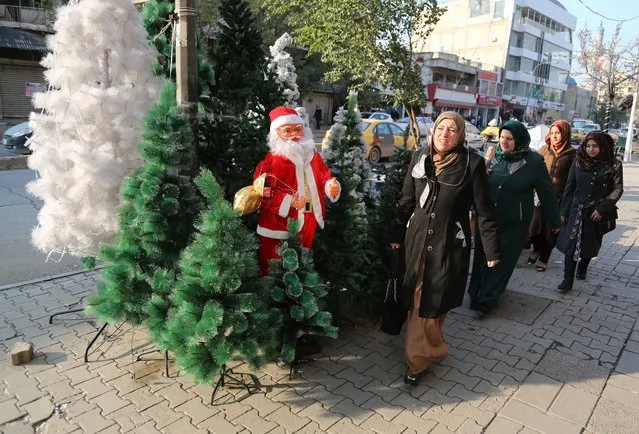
x,y
289,174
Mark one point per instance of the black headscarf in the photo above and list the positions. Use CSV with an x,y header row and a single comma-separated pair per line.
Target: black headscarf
x,y
606,152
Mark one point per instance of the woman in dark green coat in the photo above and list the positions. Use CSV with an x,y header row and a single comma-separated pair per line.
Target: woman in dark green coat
x,y
515,173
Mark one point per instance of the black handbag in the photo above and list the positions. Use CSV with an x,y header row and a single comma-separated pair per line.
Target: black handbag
x,y
393,311
608,222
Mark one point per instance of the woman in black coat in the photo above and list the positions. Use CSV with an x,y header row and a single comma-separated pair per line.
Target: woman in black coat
x,y
595,184
441,184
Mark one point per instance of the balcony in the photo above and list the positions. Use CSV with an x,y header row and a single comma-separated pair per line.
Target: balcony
x,y
454,86
23,17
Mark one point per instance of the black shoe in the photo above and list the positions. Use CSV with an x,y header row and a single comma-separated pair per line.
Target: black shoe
x,y
580,276
565,285
410,379
480,308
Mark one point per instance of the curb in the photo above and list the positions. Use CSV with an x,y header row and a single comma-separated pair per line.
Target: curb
x,y
17,162
48,278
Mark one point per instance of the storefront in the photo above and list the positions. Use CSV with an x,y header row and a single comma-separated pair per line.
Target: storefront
x,y
442,99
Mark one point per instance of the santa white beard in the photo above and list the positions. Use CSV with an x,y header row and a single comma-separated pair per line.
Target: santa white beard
x,y
301,151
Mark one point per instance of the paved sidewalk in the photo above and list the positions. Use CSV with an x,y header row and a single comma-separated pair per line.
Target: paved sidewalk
x,y
545,362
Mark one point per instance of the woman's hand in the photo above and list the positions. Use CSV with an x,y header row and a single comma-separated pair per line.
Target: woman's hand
x,y
564,219
595,217
394,246
492,264
555,230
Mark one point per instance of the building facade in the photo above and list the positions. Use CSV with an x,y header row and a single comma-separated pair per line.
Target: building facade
x,y
530,39
23,28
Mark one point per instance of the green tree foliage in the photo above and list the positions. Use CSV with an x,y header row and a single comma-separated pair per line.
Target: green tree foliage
x,y
369,41
156,219
220,309
232,144
299,292
344,250
158,19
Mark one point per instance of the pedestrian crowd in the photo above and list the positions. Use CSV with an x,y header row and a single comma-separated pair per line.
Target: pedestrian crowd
x,y
556,197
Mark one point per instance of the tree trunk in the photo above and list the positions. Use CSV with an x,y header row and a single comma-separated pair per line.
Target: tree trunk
x,y
606,125
413,126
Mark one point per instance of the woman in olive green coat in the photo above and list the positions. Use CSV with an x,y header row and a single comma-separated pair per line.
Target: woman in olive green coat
x,y
515,173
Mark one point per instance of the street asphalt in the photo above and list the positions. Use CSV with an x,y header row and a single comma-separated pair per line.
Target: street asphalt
x,y
19,260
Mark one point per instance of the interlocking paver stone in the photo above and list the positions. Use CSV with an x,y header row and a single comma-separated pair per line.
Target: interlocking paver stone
x,y
9,411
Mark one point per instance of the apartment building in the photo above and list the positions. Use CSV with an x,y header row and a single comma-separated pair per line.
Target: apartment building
x,y
531,40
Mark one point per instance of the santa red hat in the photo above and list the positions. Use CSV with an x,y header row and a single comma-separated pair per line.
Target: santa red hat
x,y
283,116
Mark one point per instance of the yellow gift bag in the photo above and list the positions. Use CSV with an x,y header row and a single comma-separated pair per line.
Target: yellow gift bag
x,y
247,200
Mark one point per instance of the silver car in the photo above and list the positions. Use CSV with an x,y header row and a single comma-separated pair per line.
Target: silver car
x,y
15,138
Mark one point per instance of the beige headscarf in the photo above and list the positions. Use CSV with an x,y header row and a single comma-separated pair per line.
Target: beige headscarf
x,y
442,160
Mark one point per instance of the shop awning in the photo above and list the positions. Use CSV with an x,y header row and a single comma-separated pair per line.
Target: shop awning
x,y
452,104
21,40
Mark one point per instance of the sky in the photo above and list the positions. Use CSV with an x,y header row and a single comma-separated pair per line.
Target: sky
x,y
616,9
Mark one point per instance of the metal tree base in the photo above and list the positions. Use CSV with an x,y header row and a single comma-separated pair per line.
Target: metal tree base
x,y
95,338
166,360
229,377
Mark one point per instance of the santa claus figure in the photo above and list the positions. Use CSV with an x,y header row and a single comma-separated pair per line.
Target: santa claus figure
x,y
297,184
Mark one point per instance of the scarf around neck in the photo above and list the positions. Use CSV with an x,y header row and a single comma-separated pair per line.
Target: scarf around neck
x,y
606,151
442,160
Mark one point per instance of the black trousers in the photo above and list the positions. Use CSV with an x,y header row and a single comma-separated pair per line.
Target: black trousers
x,y
542,246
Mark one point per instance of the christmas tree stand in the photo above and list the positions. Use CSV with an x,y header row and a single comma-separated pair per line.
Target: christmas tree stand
x,y
236,380
166,360
95,338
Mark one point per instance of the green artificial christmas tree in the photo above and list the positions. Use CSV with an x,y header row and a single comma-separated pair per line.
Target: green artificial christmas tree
x,y
233,143
383,222
156,219
220,310
299,292
344,251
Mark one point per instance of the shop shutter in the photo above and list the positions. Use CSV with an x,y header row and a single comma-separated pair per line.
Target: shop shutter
x,y
13,79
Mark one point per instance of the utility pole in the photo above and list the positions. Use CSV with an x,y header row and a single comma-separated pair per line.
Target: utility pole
x,y
627,155
186,67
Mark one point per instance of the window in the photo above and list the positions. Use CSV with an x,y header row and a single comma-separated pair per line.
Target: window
x,y
513,63
395,130
382,130
479,7
499,9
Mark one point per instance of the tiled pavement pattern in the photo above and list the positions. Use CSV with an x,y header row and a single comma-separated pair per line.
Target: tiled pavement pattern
x,y
545,362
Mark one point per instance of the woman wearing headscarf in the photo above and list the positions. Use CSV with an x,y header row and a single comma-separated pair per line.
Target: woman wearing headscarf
x,y
558,157
515,173
594,186
442,182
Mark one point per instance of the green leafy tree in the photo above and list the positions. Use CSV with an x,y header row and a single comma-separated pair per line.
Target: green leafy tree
x,y
156,219
345,255
378,49
220,311
299,292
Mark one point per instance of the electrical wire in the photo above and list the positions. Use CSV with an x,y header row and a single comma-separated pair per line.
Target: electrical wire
x,y
605,17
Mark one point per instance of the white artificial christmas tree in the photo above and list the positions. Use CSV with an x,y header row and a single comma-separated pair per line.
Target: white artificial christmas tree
x,y
281,64
88,125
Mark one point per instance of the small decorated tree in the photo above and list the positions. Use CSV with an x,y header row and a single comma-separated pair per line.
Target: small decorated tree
x,y
156,219
282,66
344,251
87,129
299,292
220,310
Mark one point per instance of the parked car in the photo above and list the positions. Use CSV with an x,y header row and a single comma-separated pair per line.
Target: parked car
x,y
490,134
380,116
365,115
425,126
382,138
473,136
15,138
